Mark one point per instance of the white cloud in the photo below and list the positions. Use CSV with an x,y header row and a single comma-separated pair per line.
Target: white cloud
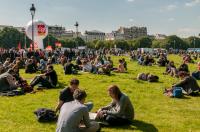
x,y
192,3
171,19
130,0
171,7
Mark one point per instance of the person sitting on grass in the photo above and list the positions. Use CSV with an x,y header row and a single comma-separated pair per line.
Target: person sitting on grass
x,y
171,69
47,80
110,62
30,67
42,66
74,115
120,111
187,83
8,81
183,67
187,58
121,68
196,74
20,81
162,61
7,63
86,66
66,95
70,68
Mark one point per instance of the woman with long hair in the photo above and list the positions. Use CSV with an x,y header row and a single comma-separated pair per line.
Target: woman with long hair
x,y
120,111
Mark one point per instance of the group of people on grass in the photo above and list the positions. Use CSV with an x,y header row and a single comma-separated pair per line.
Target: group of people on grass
x,y
74,113
39,61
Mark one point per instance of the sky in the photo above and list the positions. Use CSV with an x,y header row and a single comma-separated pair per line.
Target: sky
x,y
179,17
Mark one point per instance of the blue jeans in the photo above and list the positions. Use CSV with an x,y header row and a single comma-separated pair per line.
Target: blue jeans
x,y
89,106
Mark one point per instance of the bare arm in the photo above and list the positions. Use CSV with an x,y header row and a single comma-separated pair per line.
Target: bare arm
x,y
60,103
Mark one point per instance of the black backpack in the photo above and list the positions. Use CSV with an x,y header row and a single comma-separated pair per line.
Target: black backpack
x,y
153,78
45,115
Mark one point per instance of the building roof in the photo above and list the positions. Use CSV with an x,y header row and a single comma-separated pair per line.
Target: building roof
x,y
95,31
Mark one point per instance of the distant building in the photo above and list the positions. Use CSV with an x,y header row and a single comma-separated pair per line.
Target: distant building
x,y
109,36
94,35
132,32
160,36
68,34
56,30
118,35
114,36
20,29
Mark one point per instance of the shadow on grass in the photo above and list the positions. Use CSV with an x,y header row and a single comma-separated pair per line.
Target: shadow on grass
x,y
60,85
184,97
49,123
197,94
138,125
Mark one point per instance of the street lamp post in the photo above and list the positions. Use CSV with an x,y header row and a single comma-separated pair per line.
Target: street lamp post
x,y
76,25
32,10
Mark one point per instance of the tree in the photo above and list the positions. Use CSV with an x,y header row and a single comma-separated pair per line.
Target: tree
x,y
143,42
174,42
157,43
10,37
79,41
109,44
193,42
121,44
100,44
50,40
90,45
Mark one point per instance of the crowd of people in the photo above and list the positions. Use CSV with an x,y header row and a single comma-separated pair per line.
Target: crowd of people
x,y
74,113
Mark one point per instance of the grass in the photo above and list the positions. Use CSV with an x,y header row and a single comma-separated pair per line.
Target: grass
x,y
153,111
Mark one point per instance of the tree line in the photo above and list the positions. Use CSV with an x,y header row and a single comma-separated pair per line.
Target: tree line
x,y
10,37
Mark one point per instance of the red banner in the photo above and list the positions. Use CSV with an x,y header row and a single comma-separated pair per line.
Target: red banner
x,y
41,29
58,44
48,48
19,46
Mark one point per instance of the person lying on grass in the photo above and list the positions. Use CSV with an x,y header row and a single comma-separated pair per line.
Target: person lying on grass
x,y
48,80
66,95
187,83
74,115
120,111
147,77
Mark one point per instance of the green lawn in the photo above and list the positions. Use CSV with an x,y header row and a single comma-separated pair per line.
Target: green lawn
x,y
153,111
